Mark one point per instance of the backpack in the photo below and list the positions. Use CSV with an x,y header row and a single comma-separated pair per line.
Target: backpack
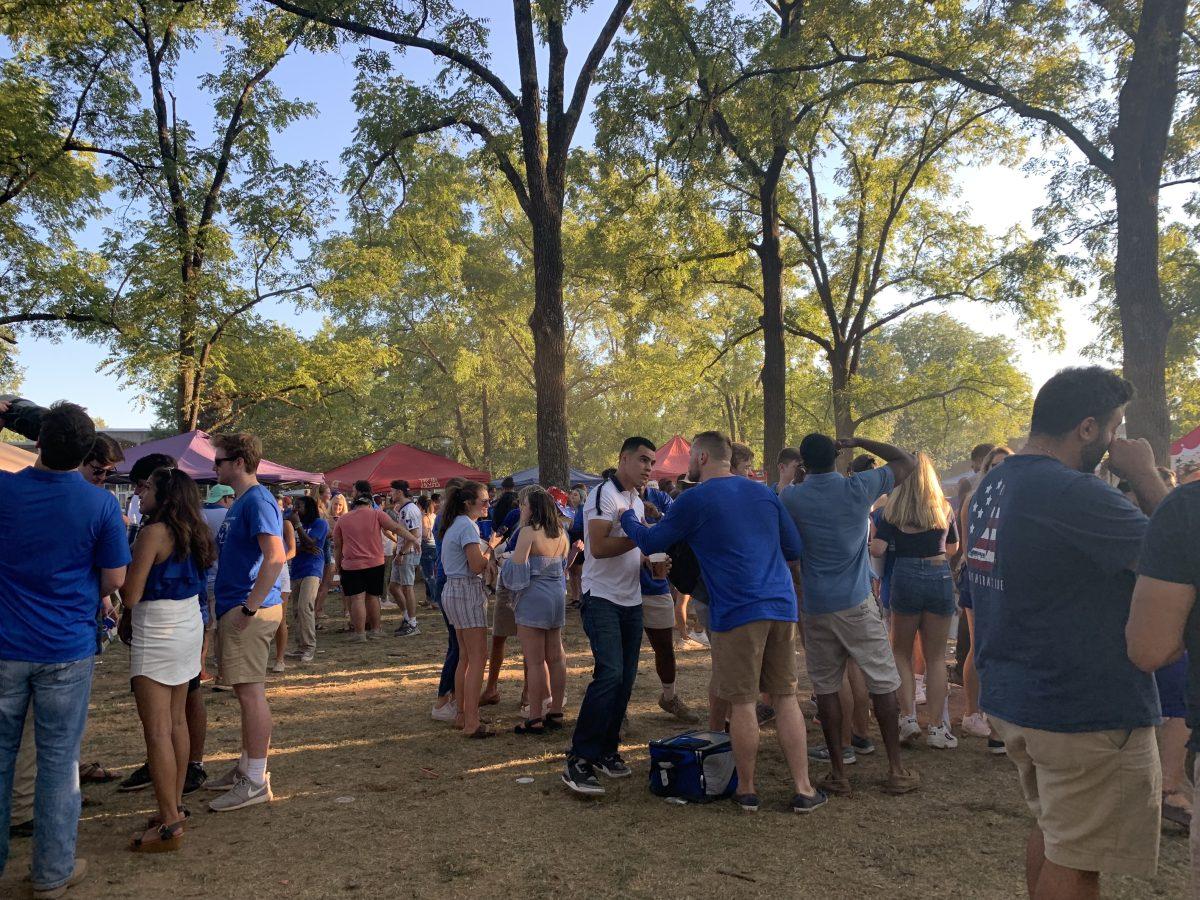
x,y
696,766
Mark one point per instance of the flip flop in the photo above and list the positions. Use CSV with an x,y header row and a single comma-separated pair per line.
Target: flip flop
x,y
481,733
531,726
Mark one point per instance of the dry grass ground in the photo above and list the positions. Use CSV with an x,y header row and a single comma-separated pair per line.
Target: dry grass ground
x,y
374,799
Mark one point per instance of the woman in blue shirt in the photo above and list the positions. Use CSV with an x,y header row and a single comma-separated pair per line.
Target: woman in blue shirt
x,y
308,566
163,596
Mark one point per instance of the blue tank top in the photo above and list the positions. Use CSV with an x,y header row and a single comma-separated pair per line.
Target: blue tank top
x,y
174,579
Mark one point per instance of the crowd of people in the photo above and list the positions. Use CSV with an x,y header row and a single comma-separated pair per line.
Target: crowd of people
x,y
1066,563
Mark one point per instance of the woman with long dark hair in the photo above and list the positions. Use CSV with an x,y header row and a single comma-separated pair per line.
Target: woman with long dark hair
x,y
464,560
163,594
312,536
535,574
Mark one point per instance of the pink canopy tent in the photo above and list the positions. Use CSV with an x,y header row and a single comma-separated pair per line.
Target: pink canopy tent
x,y
672,459
194,453
14,459
420,468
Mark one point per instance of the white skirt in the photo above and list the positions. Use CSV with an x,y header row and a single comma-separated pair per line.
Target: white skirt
x,y
167,638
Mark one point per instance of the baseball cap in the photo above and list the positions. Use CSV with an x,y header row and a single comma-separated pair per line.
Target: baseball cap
x,y
218,492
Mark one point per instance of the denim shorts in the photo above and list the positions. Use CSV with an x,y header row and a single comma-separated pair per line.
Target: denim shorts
x,y
922,586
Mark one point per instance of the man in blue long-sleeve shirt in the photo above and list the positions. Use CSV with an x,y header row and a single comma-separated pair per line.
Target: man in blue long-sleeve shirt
x,y
745,542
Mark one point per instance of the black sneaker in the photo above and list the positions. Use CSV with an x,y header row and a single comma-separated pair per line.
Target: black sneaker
x,y
863,745
195,778
404,630
614,767
580,776
996,748
804,805
21,830
765,713
747,803
137,780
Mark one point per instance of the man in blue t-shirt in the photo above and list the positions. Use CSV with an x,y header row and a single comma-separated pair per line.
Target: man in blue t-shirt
x,y
1050,556
841,618
745,542
249,610
64,548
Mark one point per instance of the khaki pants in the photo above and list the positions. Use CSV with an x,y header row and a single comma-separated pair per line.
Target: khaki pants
x,y
25,775
306,615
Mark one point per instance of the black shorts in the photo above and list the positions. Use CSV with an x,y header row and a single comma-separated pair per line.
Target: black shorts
x,y
362,581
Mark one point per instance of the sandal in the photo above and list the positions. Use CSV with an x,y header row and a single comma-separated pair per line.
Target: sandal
x,y
531,726
170,837
481,733
155,821
489,699
554,721
94,773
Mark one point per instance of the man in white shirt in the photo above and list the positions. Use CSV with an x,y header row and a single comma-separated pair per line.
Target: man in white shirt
x,y
404,565
611,609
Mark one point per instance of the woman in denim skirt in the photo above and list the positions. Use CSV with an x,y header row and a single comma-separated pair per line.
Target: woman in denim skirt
x,y
917,529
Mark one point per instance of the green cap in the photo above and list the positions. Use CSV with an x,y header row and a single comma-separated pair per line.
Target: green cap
x,y
218,492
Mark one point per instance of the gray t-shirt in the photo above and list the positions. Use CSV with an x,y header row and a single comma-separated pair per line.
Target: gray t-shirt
x,y
462,531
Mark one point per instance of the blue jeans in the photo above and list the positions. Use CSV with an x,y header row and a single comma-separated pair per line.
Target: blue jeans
x,y
429,558
615,633
922,586
59,693
446,685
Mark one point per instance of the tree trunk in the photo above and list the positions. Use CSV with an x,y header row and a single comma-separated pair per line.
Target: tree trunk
x,y
843,412
548,324
1145,112
485,425
774,369
188,411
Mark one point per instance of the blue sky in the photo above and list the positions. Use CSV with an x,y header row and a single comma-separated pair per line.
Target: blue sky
x,y
997,198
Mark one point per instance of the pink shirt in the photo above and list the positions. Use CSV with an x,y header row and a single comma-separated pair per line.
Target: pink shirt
x,y
360,537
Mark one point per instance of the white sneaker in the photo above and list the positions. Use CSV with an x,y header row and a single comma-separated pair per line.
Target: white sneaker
x,y
388,604
446,713
940,738
909,729
977,725
700,638
278,667
244,793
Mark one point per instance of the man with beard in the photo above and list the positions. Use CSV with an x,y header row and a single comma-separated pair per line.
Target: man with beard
x,y
1050,556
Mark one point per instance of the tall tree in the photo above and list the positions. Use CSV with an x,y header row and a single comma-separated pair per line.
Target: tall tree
x,y
210,229
528,131
723,95
1052,65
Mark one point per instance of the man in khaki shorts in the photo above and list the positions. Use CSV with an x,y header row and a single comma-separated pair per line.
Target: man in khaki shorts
x,y
841,620
745,542
249,610
1050,552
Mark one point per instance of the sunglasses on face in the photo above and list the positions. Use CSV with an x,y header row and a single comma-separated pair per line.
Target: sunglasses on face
x,y
101,471
223,459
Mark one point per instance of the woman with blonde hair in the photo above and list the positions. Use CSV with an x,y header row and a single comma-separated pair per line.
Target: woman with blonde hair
x,y
974,722
918,529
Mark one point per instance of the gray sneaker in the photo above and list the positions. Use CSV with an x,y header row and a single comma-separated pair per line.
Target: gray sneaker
x,y
306,657
226,781
676,707
243,793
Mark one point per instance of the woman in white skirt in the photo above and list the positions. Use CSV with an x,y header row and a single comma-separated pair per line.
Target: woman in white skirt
x,y
163,594
465,557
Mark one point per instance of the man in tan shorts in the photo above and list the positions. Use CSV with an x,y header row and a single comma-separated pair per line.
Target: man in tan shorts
x,y
249,610
745,542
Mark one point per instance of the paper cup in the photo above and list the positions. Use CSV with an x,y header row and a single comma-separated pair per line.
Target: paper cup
x,y
658,564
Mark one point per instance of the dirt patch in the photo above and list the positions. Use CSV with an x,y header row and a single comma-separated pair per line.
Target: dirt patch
x,y
434,815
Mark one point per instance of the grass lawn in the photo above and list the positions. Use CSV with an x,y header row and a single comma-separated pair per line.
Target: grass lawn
x,y
375,799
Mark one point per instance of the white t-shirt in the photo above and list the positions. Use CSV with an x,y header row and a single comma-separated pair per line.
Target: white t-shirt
x,y
617,578
134,511
410,517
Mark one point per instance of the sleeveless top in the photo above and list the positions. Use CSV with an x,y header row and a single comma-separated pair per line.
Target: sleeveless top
x,y
174,579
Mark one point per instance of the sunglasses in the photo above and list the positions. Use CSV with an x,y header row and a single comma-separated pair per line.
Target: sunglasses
x,y
224,459
101,471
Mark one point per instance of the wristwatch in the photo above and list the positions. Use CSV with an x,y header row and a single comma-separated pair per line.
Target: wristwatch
x,y
247,611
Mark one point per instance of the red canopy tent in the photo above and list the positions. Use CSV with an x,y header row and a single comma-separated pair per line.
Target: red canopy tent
x,y
672,459
420,468
1187,448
